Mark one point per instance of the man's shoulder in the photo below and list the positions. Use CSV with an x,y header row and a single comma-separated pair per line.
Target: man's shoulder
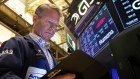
x,y
21,38
18,40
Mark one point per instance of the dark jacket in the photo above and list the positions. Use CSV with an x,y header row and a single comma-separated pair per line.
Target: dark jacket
x,y
17,54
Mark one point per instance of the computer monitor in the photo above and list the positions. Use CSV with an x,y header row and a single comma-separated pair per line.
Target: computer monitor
x,y
126,52
98,32
128,11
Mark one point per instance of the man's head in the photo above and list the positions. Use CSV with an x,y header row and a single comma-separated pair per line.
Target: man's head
x,y
46,20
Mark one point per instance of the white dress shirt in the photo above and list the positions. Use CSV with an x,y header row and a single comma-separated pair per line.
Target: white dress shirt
x,y
44,46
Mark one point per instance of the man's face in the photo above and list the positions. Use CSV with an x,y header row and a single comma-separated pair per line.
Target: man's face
x,y
46,26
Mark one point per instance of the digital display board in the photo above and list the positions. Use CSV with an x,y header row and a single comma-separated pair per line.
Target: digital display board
x,y
128,11
98,32
79,13
81,24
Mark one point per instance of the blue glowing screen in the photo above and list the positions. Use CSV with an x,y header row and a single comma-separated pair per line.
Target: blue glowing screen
x,y
99,31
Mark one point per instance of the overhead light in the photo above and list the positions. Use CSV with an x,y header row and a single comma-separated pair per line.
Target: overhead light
x,y
98,3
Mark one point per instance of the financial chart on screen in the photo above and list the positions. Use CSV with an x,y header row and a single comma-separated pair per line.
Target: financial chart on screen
x,y
98,32
128,11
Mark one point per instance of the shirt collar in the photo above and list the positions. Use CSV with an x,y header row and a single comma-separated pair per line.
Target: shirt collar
x,y
39,40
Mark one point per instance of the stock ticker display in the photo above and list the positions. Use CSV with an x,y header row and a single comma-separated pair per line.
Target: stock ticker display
x,y
128,11
98,32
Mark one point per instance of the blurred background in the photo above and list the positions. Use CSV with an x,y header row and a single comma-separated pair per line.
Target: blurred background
x,y
16,19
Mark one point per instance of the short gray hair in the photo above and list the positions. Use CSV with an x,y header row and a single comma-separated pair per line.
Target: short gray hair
x,y
42,9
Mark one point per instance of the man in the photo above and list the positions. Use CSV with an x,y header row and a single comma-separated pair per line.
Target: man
x,y
29,57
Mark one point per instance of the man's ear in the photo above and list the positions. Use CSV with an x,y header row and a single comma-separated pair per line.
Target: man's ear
x,y
35,17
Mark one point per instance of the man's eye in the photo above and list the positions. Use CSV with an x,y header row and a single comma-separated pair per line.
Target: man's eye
x,y
54,24
49,21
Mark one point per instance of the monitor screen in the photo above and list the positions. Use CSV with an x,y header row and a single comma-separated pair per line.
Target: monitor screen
x,y
71,43
98,32
128,11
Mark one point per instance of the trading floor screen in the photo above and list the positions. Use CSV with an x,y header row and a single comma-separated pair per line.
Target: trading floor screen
x,y
128,11
98,32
